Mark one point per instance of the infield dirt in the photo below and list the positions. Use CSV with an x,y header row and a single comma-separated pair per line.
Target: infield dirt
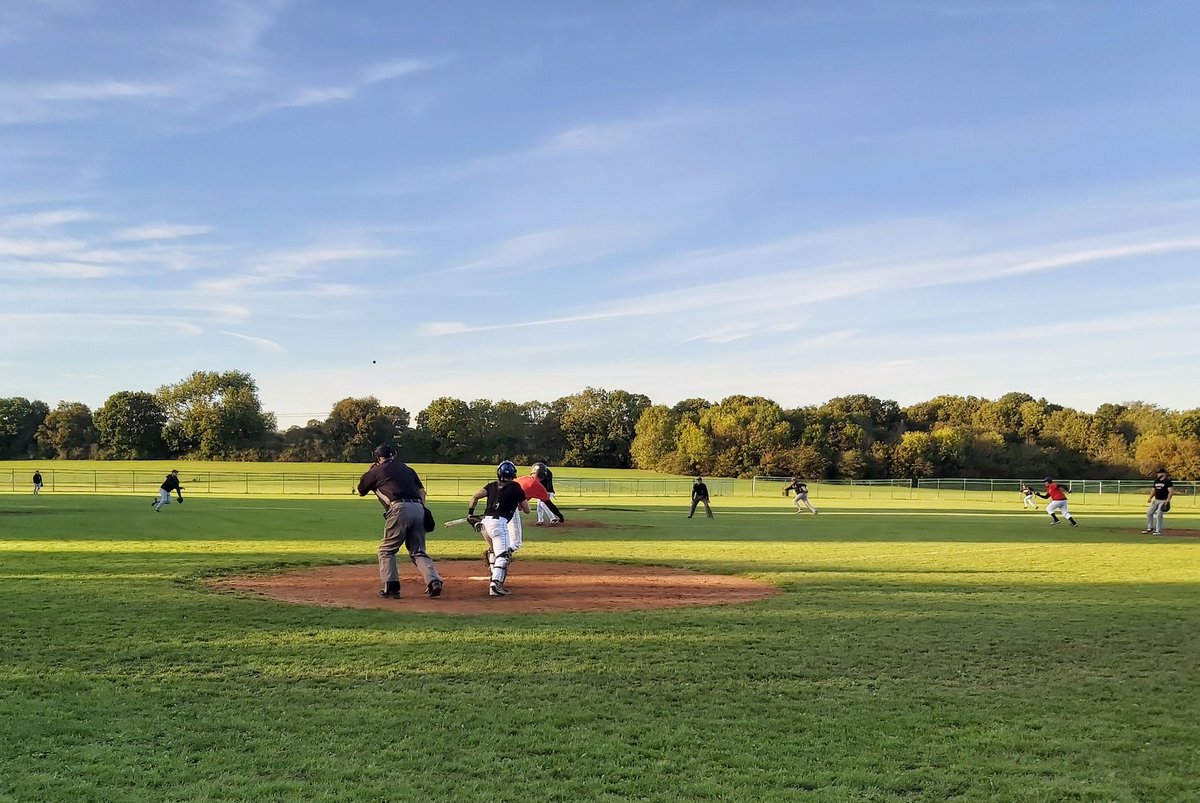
x,y
537,587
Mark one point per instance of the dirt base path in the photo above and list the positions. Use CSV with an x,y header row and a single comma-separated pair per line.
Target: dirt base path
x,y
536,587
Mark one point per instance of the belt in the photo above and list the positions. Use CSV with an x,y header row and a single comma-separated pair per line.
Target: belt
x,y
406,500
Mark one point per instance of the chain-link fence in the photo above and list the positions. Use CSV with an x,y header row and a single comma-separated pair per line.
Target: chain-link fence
x,y
230,483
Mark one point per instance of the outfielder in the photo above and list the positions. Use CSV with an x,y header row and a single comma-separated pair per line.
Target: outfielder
x,y
1058,501
801,495
399,490
504,498
1027,497
1160,502
171,483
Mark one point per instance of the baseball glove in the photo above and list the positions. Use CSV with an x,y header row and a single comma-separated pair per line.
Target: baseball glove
x,y
785,491
1166,508
179,499
475,521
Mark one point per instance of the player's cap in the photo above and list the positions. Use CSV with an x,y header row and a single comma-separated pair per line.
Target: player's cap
x,y
385,451
1047,479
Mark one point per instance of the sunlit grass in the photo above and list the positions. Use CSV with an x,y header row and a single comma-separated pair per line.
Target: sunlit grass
x,y
917,652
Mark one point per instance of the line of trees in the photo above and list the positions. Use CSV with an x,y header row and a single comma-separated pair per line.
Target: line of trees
x,y
218,416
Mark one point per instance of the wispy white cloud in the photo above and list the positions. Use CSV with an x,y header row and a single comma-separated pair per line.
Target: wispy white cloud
x,y
29,103
284,266
567,245
32,249
45,220
262,343
772,279
37,269
160,231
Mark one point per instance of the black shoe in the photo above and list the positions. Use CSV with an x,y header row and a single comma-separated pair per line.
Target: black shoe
x,y
434,589
1073,523
383,592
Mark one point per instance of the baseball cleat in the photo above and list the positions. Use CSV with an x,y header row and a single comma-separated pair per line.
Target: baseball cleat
x,y
1147,531
383,592
497,590
434,589
1053,523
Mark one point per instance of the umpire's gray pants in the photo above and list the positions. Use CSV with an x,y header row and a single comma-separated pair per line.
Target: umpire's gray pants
x,y
1154,515
405,527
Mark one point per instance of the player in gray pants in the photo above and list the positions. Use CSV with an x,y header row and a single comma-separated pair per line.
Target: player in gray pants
x,y
1160,502
402,495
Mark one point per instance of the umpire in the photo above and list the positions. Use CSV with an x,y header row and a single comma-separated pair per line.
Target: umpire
x,y
402,495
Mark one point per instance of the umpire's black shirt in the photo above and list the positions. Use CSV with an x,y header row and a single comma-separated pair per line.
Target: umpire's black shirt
x,y
393,479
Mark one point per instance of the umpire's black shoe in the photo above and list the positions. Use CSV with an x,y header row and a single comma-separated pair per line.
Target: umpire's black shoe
x,y
434,589
390,591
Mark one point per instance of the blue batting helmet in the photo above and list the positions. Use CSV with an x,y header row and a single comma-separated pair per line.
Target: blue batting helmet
x,y
506,470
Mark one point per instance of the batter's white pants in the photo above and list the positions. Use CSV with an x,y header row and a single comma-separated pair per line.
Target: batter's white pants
x,y
1059,506
514,531
544,513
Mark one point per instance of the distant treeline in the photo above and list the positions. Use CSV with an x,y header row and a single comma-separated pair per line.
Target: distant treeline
x,y
218,416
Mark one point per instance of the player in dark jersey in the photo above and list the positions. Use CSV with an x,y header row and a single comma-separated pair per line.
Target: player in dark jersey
x,y
399,490
504,498
1160,502
801,490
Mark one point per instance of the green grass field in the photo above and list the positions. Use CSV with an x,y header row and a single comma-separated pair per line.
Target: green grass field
x,y
921,650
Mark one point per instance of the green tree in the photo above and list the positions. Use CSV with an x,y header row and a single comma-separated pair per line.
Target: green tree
x,y
1179,456
19,422
944,410
447,422
916,455
654,438
68,432
130,426
599,427
215,416
304,444
745,430
357,425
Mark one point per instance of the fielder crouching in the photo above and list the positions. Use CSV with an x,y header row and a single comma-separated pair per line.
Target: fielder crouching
x,y
504,498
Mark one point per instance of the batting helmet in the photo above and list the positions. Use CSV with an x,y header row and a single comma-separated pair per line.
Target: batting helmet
x,y
386,451
506,471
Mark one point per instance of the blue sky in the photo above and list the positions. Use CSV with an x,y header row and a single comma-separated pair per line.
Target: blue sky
x,y
518,200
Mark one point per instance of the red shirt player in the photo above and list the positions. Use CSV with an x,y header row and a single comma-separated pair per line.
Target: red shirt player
x,y
1058,502
535,490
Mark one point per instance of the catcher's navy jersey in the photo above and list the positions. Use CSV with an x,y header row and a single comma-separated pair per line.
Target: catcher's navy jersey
x,y
502,500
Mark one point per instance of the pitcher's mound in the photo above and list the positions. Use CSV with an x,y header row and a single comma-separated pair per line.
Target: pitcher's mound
x,y
536,587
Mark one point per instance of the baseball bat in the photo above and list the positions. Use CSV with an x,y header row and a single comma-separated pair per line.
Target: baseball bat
x,y
453,522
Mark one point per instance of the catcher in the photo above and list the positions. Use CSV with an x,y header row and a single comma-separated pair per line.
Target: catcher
x,y
1160,502
801,495
504,498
